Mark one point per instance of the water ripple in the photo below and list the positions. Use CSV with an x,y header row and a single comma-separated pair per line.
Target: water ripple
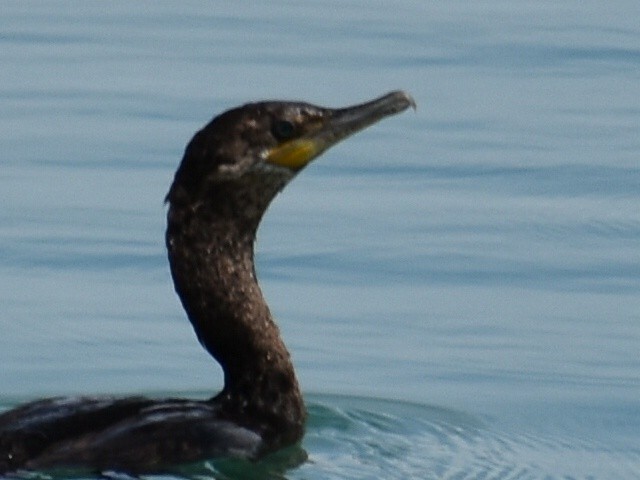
x,y
395,440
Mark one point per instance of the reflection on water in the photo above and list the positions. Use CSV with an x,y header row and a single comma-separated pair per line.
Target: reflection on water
x,y
480,256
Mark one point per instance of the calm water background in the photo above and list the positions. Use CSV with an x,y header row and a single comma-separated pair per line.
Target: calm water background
x,y
460,287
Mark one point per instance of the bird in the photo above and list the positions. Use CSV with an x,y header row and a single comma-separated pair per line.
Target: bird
x,y
230,172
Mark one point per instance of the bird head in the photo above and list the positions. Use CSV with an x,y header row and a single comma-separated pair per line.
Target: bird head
x,y
261,146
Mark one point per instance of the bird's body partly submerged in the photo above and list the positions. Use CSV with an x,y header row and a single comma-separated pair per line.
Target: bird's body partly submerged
x,y
230,172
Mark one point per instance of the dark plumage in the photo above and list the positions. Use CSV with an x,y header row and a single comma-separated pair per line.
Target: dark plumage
x,y
230,172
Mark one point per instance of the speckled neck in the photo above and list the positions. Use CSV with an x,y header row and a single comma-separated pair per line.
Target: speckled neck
x,y
210,246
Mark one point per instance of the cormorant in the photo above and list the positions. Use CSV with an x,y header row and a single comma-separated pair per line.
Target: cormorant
x,y
230,172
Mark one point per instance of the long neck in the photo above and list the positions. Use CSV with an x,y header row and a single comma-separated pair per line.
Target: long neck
x,y
211,258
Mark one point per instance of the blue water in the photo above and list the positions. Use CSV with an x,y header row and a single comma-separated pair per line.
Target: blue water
x,y
459,287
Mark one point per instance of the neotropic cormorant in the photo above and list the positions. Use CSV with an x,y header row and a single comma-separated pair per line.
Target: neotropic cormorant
x,y
230,172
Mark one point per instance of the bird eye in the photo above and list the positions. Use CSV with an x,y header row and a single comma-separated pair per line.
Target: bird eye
x,y
283,129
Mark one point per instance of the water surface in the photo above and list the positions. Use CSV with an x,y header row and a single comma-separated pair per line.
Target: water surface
x,y
460,287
